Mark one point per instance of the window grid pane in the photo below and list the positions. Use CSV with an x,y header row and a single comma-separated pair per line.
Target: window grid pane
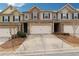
x,y
5,19
16,18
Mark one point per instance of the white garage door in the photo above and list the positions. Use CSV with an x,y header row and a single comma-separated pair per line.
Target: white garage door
x,y
68,29
40,30
5,32
77,29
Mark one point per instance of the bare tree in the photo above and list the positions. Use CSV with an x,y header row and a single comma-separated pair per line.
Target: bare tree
x,y
75,25
10,32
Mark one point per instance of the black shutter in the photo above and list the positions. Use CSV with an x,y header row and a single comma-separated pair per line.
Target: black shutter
x,y
43,15
3,18
49,15
67,15
19,18
8,18
38,15
61,15
32,15
72,15
78,15
13,18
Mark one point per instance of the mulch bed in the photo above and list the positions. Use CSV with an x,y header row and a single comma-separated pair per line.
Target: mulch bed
x,y
12,43
69,39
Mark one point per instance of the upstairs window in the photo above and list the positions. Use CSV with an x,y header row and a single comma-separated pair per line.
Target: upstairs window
x,y
75,15
34,15
64,16
5,18
72,15
26,17
16,18
46,15
54,16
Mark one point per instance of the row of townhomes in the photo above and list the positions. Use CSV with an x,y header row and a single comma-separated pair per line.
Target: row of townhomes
x,y
37,21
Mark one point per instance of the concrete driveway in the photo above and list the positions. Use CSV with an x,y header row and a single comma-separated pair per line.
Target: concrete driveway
x,y
42,43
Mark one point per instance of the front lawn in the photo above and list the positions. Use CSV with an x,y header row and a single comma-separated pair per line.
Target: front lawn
x,y
69,39
13,43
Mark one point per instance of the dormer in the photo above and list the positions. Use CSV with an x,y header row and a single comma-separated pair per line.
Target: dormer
x,y
12,13
66,12
34,12
67,9
8,10
35,9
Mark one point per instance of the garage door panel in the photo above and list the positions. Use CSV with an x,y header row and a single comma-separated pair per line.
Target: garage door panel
x,y
77,29
6,32
40,29
68,29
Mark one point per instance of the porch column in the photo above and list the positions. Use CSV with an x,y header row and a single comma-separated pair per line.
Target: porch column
x,y
22,27
52,27
61,27
28,28
19,27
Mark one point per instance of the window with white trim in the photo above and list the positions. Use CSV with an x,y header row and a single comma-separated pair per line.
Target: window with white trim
x,y
46,15
75,15
16,18
26,17
5,18
64,16
54,16
34,15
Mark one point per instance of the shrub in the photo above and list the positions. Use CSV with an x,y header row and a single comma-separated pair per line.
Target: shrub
x,y
21,34
14,36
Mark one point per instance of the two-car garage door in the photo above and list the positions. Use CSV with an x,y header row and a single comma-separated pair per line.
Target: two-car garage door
x,y
5,32
41,29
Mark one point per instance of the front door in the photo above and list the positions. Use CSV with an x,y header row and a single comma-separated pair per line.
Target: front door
x,y
56,27
25,27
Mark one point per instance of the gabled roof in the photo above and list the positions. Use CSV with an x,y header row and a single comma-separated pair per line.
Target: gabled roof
x,y
15,11
34,7
67,4
9,7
